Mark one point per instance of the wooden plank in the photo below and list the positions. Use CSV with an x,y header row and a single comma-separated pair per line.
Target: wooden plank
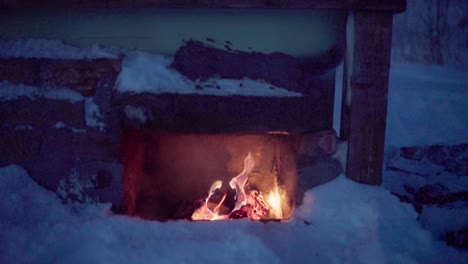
x,y
383,5
369,88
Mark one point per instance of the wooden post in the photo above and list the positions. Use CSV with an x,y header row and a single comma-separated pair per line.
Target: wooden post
x,y
365,110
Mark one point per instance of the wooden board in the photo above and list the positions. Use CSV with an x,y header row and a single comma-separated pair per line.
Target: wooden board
x,y
368,87
383,5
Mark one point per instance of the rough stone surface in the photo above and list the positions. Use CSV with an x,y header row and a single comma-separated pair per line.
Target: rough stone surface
x,y
41,113
49,154
226,114
315,165
82,75
30,138
458,239
18,70
453,158
17,146
437,194
198,61
430,165
327,140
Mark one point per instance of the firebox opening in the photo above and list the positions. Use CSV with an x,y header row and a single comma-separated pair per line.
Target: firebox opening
x,y
209,176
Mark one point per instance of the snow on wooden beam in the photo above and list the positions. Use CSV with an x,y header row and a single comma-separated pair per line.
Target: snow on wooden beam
x,y
364,112
383,5
82,76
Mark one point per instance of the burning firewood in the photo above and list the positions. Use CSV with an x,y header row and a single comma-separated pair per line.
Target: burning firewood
x,y
249,202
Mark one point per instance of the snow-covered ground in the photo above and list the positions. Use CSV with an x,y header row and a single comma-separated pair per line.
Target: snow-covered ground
x,y
338,222
427,104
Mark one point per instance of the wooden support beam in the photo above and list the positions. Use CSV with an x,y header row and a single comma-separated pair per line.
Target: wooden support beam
x,y
382,5
365,109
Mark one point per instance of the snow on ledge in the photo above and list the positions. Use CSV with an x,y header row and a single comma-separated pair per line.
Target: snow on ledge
x,y
9,91
61,125
51,49
143,72
93,117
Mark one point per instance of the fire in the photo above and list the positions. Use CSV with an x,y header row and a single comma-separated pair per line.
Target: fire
x,y
274,201
238,183
249,202
204,213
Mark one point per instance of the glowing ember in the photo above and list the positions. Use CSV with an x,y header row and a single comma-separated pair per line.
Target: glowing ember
x,y
249,202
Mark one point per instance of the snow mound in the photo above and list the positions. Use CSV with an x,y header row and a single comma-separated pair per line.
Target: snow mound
x,y
340,222
366,223
24,201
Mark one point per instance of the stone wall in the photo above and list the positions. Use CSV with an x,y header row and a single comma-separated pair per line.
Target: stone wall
x,y
61,120
48,129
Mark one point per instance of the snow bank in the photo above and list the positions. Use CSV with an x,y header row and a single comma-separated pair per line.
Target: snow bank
x,y
340,222
52,49
143,72
9,91
365,223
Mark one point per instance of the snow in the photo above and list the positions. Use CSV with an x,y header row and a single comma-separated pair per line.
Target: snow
x,y
141,72
61,125
339,222
52,49
9,92
135,113
408,177
92,114
427,105
144,72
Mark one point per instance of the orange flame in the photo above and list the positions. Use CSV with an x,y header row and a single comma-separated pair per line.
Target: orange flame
x,y
274,201
204,213
271,208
